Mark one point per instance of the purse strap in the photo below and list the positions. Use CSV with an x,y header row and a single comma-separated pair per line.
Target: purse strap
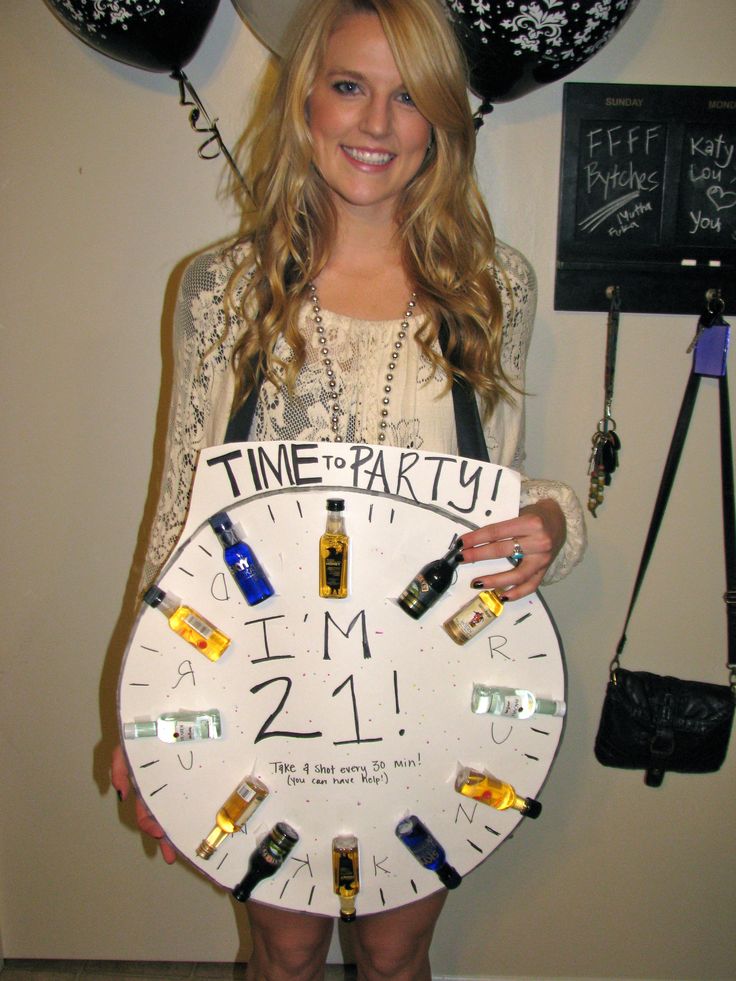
x,y
729,525
468,428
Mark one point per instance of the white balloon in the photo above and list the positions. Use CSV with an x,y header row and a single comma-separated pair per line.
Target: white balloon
x,y
269,20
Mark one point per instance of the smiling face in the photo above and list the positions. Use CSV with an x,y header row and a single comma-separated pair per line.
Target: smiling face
x,y
369,138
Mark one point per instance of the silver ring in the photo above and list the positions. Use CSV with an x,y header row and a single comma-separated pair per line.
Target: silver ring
x,y
517,555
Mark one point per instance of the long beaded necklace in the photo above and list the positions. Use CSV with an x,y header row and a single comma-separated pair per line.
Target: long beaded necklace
x,y
330,371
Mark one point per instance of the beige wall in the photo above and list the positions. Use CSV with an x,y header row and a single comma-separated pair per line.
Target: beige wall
x,y
102,197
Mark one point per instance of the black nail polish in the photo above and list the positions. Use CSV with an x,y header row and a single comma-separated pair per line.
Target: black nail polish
x,y
477,584
120,796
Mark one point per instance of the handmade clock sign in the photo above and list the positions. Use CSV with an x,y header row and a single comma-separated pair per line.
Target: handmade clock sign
x,y
335,717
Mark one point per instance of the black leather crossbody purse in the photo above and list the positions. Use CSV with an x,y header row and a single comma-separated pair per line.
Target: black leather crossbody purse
x,y
657,723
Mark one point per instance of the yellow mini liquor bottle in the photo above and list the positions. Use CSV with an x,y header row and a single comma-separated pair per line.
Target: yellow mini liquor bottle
x,y
346,874
189,624
490,790
474,616
333,553
233,814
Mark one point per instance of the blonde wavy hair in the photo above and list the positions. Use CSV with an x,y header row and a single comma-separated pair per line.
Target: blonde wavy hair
x,y
445,231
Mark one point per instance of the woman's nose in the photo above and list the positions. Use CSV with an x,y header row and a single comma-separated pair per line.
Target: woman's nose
x,y
377,117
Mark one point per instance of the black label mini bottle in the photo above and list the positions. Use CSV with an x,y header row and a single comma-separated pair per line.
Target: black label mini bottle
x,y
333,553
427,850
496,793
430,583
267,859
190,625
241,560
346,874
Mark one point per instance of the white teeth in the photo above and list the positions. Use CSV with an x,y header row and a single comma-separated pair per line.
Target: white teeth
x,y
367,156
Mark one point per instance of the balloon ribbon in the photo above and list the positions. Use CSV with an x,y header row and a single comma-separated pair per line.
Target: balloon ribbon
x,y
213,146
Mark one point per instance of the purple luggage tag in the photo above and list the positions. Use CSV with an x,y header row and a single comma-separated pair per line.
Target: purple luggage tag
x,y
711,350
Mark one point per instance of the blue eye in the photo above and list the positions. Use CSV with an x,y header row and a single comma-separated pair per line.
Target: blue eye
x,y
405,99
345,87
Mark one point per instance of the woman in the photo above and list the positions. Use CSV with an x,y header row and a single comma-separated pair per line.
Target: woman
x,y
366,232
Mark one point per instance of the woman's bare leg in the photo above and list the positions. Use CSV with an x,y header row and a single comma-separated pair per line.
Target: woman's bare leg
x,y
395,945
287,946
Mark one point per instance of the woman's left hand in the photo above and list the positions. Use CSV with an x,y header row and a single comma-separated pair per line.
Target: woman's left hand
x,y
539,532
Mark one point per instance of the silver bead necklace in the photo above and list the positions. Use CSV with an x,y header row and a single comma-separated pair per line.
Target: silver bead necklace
x,y
330,371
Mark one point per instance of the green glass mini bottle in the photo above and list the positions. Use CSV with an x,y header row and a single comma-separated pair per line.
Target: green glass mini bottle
x,y
267,859
190,625
496,793
233,814
346,874
177,727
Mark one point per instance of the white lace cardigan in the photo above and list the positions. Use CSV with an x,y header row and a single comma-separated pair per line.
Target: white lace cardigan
x,y
204,384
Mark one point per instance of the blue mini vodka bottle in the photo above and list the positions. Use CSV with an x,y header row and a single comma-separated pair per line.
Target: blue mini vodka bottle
x,y
241,561
427,850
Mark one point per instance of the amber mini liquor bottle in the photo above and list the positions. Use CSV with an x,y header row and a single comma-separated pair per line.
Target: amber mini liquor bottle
x,y
430,583
427,850
512,703
189,624
266,859
233,814
333,553
177,727
494,792
346,874
474,616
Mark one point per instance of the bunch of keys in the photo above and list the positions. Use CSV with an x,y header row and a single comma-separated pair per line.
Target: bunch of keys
x,y
603,461
606,444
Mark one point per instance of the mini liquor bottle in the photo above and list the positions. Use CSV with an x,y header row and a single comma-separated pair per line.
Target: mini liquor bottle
x,y
430,583
494,792
427,850
346,874
333,553
189,624
233,814
240,559
513,703
474,616
266,859
177,727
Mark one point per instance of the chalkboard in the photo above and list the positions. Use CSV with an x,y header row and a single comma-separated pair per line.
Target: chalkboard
x,y
647,197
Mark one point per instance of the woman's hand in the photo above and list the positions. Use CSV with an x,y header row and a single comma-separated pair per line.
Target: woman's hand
x,y
120,780
539,531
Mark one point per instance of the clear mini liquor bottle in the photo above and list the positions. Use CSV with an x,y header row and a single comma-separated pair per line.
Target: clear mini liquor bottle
x,y
266,859
233,814
346,874
177,727
490,790
333,553
430,583
189,624
512,703
427,850
240,559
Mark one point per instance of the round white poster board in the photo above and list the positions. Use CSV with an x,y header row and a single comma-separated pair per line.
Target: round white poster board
x,y
353,714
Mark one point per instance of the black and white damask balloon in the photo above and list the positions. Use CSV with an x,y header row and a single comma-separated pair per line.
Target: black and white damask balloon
x,y
156,35
515,46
